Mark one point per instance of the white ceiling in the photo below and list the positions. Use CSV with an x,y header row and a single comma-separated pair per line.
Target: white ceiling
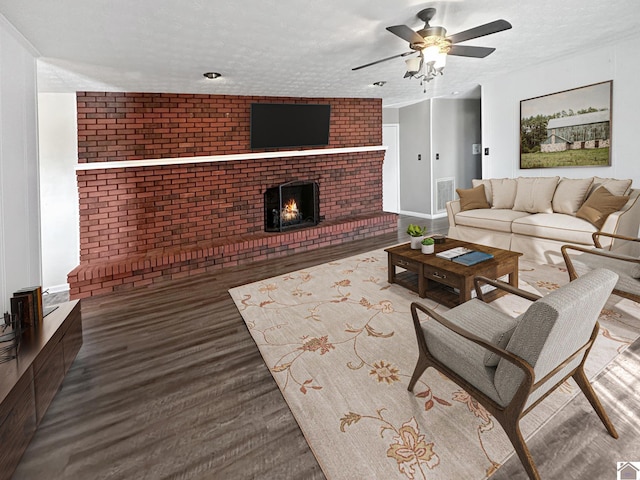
x,y
294,47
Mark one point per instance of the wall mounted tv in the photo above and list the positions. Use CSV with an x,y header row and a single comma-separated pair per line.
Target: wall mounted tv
x,y
289,125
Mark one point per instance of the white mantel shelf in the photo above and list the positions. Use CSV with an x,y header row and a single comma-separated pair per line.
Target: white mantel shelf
x,y
155,162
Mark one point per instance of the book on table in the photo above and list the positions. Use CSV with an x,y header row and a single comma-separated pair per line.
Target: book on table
x,y
453,253
473,257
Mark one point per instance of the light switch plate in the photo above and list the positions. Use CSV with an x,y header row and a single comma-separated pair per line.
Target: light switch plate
x,y
476,148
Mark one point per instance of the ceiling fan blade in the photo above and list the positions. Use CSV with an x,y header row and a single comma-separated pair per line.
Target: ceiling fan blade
x,y
468,51
480,31
406,33
384,60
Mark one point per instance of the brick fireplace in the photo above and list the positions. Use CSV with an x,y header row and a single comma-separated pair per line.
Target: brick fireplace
x,y
188,197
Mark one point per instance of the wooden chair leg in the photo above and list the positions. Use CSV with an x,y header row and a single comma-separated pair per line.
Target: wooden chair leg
x,y
584,384
421,366
513,432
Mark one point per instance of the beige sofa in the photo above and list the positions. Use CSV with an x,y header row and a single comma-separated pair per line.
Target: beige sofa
x,y
537,215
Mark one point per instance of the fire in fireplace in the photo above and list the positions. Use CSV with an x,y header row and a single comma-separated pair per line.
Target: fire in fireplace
x,y
291,205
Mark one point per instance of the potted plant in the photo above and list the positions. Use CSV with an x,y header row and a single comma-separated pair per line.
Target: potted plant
x,y
417,234
427,245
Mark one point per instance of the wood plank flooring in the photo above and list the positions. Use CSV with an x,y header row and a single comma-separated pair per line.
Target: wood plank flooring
x,y
169,384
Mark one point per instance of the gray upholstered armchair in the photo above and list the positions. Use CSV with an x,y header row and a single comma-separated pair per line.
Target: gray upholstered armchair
x,y
623,258
509,364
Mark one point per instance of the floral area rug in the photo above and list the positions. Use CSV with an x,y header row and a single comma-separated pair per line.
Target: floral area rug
x,y
340,343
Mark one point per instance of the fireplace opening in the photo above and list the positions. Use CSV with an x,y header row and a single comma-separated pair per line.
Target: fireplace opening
x,y
291,205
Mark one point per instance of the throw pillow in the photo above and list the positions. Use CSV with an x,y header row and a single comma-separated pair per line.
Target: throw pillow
x,y
472,198
487,188
599,206
570,195
504,192
615,186
534,194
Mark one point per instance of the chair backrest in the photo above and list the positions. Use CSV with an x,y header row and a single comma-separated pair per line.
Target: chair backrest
x,y
554,327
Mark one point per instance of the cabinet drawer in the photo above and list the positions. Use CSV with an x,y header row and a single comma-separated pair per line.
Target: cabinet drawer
x,y
410,265
441,276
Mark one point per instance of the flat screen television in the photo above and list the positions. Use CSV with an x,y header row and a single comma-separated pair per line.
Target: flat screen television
x,y
289,125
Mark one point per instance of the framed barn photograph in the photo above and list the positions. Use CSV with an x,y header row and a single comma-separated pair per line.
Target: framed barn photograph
x,y
567,129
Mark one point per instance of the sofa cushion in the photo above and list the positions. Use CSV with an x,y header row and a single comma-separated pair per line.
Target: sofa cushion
x,y
472,198
490,218
570,194
614,185
534,194
555,226
504,192
487,188
600,205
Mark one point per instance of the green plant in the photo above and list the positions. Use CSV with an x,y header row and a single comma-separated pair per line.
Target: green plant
x,y
416,231
427,241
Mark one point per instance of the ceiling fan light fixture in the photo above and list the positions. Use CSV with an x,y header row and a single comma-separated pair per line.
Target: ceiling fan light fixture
x,y
212,75
441,61
431,54
439,41
413,64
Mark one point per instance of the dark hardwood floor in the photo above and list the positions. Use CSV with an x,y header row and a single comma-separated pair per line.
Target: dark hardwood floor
x,y
169,384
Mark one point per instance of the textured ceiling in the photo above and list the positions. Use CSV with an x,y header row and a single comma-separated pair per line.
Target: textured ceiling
x,y
293,47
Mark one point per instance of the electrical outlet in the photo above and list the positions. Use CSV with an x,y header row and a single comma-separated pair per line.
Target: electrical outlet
x,y
437,156
419,157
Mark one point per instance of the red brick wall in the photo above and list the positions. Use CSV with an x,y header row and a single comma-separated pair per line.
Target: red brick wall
x,y
131,210
134,126
134,210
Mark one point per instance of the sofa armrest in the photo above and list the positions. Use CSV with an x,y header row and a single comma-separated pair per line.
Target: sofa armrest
x,y
626,221
453,207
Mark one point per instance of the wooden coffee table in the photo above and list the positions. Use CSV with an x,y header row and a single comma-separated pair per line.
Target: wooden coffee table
x,y
444,281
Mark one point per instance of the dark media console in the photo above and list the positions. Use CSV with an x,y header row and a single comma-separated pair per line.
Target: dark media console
x,y
29,383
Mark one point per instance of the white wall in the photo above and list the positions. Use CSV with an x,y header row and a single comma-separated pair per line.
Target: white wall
x,y
390,115
58,144
391,168
19,196
447,127
501,109
415,175
455,127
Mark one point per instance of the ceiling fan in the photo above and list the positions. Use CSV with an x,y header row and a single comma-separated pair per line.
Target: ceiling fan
x,y
433,45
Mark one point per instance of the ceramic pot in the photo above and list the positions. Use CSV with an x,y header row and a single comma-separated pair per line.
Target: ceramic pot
x,y
427,249
415,243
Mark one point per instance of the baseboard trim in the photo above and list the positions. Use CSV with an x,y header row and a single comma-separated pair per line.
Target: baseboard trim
x,y
423,215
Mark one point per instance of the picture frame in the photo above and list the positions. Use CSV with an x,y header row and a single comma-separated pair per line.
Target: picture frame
x,y
571,128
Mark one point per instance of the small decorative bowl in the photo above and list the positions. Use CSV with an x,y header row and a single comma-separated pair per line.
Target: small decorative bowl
x,y
438,238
